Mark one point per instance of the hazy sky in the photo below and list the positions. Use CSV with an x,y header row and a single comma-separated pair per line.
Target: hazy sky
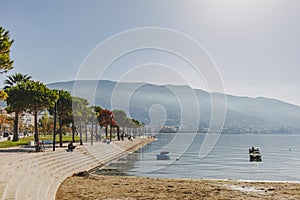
x,y
255,44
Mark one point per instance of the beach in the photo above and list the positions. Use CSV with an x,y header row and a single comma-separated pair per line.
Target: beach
x,y
89,186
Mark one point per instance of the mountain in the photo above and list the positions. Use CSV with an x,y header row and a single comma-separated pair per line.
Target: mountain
x,y
173,105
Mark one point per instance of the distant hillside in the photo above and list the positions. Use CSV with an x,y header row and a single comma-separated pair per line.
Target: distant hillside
x,y
244,114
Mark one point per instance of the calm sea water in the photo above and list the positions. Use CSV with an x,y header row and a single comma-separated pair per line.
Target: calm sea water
x,y
228,159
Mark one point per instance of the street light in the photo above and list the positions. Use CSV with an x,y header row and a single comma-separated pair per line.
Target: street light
x,y
54,128
54,122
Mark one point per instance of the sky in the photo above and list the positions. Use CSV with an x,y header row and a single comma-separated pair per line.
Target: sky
x,y
253,44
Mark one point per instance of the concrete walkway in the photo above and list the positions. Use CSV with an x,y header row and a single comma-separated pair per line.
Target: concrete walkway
x,y
32,176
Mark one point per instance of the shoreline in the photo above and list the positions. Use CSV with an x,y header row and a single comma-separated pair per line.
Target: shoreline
x,y
240,180
51,168
126,151
132,187
94,186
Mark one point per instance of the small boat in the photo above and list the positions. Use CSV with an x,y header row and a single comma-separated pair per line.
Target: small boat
x,y
255,155
164,155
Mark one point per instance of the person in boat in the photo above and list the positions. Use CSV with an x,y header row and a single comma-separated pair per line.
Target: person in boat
x,y
71,146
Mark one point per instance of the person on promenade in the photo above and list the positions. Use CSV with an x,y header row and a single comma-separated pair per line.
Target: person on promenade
x,y
38,146
71,146
130,137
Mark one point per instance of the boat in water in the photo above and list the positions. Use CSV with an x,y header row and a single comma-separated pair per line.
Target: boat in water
x,y
255,155
164,155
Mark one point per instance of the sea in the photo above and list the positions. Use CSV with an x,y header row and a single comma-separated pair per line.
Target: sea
x,y
226,156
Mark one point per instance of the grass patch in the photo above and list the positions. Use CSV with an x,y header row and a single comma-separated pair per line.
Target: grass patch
x,y
25,140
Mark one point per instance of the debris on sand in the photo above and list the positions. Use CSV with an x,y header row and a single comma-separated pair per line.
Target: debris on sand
x,y
82,174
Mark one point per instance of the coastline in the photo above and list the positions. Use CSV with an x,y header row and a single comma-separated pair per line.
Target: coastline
x,y
128,187
124,147
93,186
26,175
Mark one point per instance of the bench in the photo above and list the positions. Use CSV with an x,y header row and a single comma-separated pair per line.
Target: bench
x,y
47,141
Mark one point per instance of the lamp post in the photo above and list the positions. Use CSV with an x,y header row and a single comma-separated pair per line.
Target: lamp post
x,y
54,128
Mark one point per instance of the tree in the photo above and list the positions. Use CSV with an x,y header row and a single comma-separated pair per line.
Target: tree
x,y
5,43
104,120
107,118
136,122
86,117
17,101
5,121
122,119
97,110
45,123
64,110
69,124
3,95
11,81
15,79
39,97
79,106
133,123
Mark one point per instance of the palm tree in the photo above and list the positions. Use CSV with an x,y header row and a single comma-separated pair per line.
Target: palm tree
x,y
11,81
14,79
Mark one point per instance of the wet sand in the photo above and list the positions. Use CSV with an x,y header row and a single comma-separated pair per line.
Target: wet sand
x,y
125,187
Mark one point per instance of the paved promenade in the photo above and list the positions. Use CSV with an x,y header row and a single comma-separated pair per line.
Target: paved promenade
x,y
25,175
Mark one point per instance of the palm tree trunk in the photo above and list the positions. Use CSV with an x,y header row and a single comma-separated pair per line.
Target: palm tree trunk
x,y
16,122
110,133
96,133
80,132
123,133
100,133
118,133
73,131
106,132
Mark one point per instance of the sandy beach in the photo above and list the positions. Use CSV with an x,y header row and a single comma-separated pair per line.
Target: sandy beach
x,y
124,187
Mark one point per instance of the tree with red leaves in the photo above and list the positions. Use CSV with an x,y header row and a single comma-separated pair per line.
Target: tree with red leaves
x,y
107,118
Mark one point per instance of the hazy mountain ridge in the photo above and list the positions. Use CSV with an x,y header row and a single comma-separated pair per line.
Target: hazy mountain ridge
x,y
243,114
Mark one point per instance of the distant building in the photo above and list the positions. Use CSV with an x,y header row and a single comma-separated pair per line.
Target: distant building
x,y
3,111
27,119
5,125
